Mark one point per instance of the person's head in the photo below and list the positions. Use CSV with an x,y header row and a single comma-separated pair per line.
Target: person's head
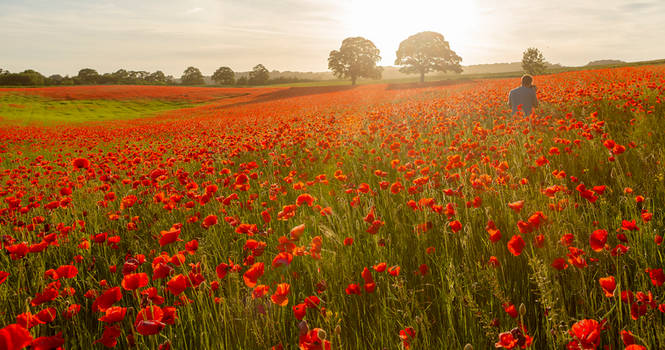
x,y
527,80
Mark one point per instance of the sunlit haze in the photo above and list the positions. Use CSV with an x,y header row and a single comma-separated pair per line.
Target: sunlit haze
x,y
64,36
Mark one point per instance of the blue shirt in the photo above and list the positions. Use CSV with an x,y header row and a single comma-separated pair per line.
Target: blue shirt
x,y
525,96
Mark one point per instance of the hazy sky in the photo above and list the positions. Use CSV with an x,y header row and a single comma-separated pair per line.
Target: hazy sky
x,y
66,35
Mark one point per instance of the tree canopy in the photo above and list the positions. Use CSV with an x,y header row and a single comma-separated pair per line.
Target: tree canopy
x,y
356,58
192,76
533,61
224,76
427,52
88,76
259,75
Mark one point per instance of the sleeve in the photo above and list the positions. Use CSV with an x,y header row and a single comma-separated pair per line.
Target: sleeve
x,y
535,99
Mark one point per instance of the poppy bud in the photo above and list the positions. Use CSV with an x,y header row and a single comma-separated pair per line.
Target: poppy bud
x,y
468,347
338,330
522,309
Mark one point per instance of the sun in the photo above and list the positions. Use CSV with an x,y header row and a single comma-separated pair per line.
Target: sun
x,y
387,22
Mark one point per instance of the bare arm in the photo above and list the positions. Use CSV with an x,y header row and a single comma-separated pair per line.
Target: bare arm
x,y
535,98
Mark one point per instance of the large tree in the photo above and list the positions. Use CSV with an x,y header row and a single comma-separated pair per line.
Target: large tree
x,y
157,77
533,61
356,58
88,76
192,76
224,76
427,52
259,75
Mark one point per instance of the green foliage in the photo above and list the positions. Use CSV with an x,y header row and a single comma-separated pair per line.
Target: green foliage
x,y
533,61
88,76
259,75
356,58
192,76
224,76
427,52
25,78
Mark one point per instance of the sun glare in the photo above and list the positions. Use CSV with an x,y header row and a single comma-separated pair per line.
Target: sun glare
x,y
388,22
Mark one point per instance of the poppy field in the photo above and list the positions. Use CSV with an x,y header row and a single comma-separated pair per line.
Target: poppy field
x,y
374,217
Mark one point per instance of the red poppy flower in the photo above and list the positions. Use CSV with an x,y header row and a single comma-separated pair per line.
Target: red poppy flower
x,y
109,336
149,320
506,341
48,343
177,284
407,335
629,225
260,291
209,220
495,234
608,284
353,289
252,274
597,240
3,276
297,231
114,314
107,299
81,163
586,333
515,245
455,226
657,276
305,198
169,236
134,281
300,311
282,259
516,206
281,295
14,337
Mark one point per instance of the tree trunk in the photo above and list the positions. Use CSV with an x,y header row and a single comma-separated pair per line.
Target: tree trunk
x,y
353,80
422,77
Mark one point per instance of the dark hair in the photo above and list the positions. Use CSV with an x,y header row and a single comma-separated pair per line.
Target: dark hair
x,y
527,80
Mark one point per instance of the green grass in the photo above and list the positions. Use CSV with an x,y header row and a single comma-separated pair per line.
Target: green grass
x,y
27,109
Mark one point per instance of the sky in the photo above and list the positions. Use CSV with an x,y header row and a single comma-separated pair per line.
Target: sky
x,y
64,36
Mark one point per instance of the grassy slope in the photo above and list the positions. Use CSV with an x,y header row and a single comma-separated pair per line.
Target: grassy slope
x,y
26,109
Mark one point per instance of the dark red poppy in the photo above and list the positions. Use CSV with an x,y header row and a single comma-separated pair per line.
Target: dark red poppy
x,y
14,337
107,299
48,343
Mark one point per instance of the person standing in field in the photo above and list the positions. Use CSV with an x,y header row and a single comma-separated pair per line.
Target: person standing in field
x,y
524,96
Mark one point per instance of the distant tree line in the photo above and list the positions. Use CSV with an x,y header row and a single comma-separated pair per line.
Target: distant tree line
x,y
86,76
259,75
